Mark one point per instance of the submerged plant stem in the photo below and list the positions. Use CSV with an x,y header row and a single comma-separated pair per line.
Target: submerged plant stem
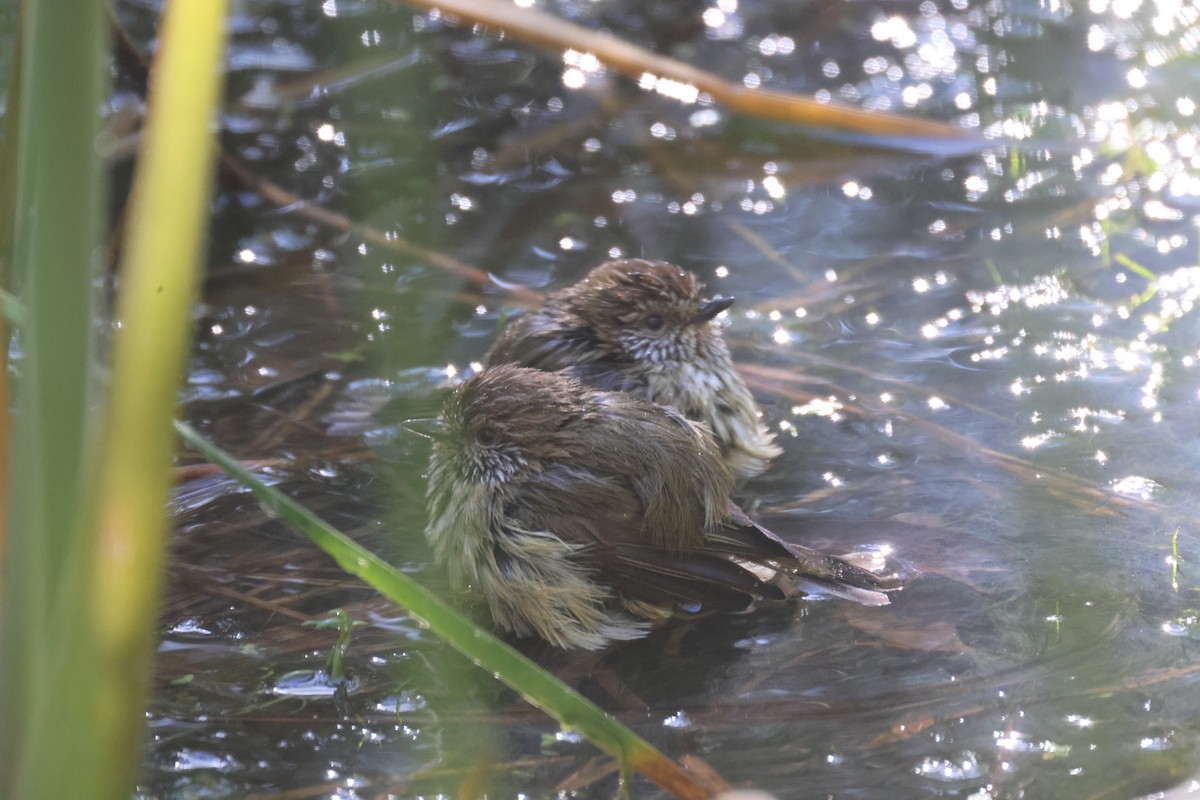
x,y
678,79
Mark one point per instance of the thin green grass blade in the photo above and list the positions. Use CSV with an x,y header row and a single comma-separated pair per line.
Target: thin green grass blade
x,y
535,684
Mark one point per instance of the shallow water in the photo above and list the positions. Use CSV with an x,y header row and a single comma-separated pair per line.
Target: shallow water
x,y
984,365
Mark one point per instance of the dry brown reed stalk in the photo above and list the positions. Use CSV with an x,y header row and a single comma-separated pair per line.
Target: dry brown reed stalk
x,y
676,78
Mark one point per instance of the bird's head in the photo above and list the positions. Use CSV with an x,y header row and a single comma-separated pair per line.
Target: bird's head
x,y
649,311
503,423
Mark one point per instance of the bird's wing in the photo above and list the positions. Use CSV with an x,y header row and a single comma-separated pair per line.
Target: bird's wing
x,y
537,340
697,581
540,341
744,538
579,506
610,375
604,517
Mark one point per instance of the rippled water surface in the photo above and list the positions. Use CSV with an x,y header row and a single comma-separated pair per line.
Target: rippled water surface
x,y
986,365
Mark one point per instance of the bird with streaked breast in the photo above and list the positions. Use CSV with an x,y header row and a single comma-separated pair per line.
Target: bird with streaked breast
x,y
645,327
584,516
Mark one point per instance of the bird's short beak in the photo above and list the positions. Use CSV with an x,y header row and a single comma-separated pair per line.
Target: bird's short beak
x,y
432,428
710,308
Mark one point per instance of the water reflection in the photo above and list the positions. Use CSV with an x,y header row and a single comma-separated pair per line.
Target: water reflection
x,y
984,368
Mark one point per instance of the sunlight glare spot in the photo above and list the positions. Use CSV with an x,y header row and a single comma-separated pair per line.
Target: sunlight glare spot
x,y
1135,486
937,403
678,720
662,131
975,183
1034,441
573,78
1181,626
683,92
781,336
451,371
819,407
897,30
583,61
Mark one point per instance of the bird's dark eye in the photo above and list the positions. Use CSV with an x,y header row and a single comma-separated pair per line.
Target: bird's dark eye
x,y
653,322
486,435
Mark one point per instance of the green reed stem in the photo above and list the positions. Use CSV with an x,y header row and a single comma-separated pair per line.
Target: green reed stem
x,y
49,689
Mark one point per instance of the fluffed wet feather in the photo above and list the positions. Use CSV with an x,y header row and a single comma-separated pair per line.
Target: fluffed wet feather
x,y
600,508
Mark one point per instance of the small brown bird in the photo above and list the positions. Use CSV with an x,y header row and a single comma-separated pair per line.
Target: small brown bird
x,y
644,327
582,515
